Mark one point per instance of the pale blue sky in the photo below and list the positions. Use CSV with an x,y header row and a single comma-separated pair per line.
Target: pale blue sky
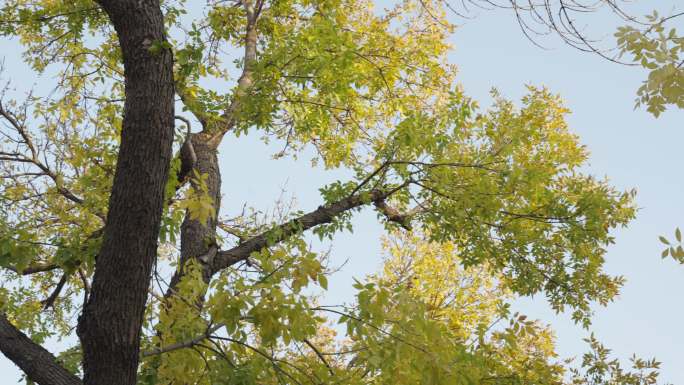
x,y
632,148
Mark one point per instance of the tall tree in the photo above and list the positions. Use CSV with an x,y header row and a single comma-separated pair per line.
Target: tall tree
x,y
110,323
371,92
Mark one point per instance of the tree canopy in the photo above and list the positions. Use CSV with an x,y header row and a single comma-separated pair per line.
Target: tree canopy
x,y
111,224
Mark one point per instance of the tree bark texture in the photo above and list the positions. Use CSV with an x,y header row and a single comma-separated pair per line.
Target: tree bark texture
x,y
110,326
198,240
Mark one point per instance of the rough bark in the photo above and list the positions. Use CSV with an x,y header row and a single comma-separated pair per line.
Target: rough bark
x,y
110,325
198,240
39,365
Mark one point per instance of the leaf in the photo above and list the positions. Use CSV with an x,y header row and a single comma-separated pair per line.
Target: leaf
x,y
323,281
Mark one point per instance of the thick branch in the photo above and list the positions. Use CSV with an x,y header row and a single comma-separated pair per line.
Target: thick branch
x,y
227,121
322,215
245,80
393,215
38,364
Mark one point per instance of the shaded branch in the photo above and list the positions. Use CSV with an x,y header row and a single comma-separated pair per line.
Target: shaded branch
x,y
322,215
393,215
38,364
184,344
320,356
50,300
44,266
37,268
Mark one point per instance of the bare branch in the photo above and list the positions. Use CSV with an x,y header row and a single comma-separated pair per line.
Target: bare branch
x,y
560,17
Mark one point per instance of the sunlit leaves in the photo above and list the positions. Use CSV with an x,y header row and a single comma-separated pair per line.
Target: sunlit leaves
x,y
676,251
661,51
428,320
600,368
344,75
197,200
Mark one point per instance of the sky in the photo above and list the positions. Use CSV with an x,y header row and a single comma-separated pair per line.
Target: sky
x,y
630,147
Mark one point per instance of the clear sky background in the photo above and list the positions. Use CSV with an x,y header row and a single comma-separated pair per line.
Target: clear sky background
x,y
629,146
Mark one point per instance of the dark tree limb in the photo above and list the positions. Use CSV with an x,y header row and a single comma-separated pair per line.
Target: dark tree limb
x,y
393,215
197,239
41,267
320,356
322,215
39,365
50,300
183,344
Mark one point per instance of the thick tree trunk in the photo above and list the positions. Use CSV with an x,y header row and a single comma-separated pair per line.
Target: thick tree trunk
x,y
110,325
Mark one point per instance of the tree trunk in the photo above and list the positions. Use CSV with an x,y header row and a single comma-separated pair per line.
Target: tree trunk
x,y
110,325
198,240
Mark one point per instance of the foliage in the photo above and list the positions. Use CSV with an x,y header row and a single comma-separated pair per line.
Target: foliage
x,y
673,249
496,198
661,51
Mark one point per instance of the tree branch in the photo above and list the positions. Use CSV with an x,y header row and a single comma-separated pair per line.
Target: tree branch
x,y
320,356
32,269
41,267
229,118
183,344
38,364
50,300
33,159
322,215
393,215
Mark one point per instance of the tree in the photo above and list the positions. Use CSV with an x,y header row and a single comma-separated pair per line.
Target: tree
x,y
372,93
